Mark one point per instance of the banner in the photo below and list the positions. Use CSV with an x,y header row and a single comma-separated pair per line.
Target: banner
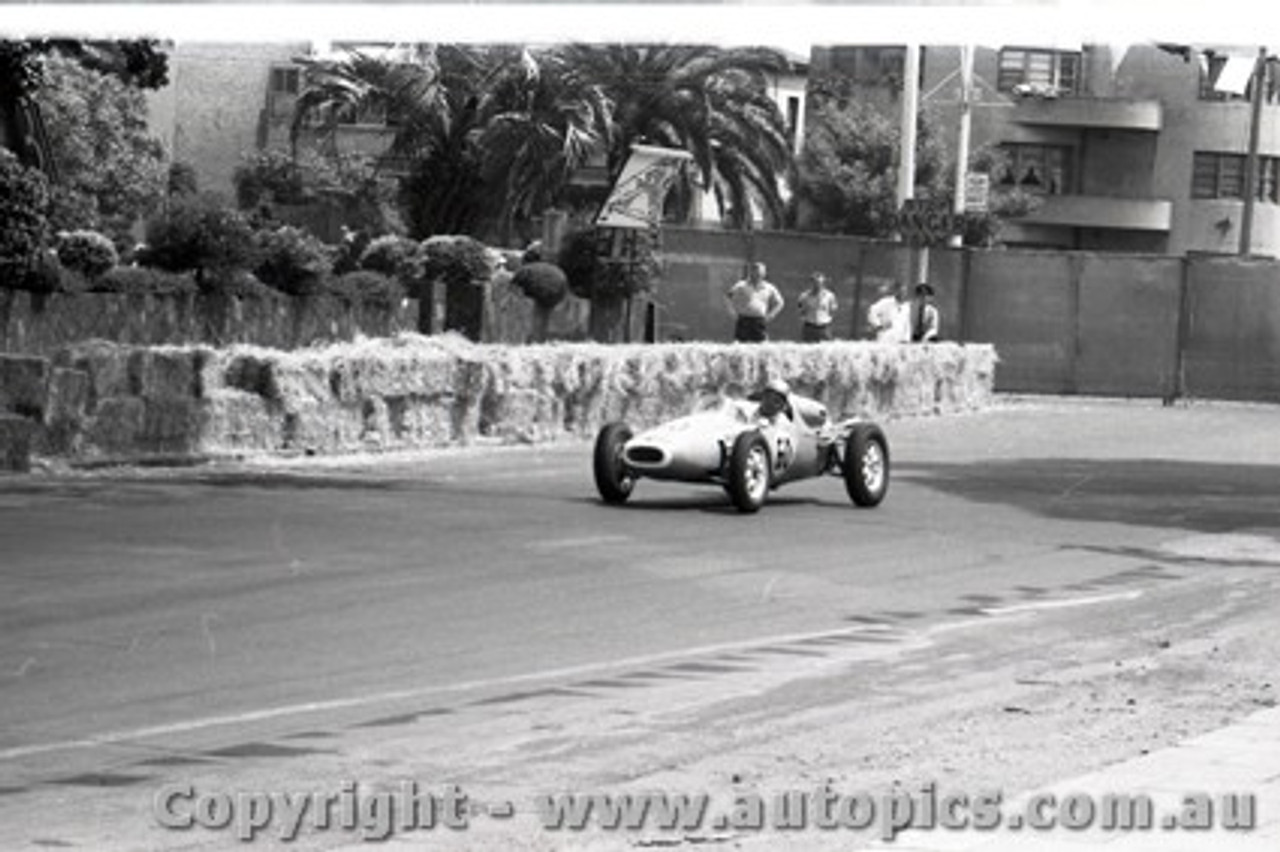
x,y
1235,75
636,198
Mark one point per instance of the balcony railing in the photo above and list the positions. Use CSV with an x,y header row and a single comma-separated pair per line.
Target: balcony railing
x,y
1093,211
1102,113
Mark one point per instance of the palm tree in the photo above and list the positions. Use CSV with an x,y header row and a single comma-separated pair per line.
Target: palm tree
x,y
712,102
429,97
495,133
542,122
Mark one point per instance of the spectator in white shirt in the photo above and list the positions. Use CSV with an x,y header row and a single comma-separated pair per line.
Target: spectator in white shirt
x,y
754,302
817,308
889,317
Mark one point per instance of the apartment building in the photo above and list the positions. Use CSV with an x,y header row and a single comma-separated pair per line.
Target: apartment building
x,y
1128,148
225,101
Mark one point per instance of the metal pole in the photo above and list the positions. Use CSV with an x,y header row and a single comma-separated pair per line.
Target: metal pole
x,y
917,260
910,107
1251,160
962,144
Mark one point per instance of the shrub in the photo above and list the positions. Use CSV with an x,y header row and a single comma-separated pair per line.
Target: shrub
x,y
141,280
183,180
347,254
270,177
292,260
87,252
366,286
544,283
457,261
24,223
201,234
394,256
586,260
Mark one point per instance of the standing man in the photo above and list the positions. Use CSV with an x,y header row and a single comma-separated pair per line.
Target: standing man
x,y
925,319
889,317
817,309
754,302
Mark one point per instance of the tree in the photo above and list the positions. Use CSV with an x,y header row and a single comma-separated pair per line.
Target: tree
x,y
494,134
24,224
542,120
712,102
137,64
430,97
848,169
111,170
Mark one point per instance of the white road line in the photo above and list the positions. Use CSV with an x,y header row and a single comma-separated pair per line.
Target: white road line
x,y
265,714
1061,604
580,541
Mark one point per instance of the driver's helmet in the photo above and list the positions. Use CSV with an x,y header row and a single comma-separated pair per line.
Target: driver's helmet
x,y
773,397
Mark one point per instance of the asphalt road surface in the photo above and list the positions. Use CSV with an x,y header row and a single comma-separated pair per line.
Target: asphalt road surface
x,y
478,617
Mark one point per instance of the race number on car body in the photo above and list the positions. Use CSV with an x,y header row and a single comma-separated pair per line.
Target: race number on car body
x,y
786,451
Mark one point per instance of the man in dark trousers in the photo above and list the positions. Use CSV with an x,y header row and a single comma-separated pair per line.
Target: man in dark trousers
x,y
754,302
925,319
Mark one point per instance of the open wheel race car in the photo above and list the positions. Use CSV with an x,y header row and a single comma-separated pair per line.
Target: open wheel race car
x,y
749,447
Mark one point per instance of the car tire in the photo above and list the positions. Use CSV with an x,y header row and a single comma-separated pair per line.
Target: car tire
x,y
749,472
866,465
614,480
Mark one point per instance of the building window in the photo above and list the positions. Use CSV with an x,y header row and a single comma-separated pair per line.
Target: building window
x,y
1042,169
793,118
1048,71
1220,175
283,86
285,81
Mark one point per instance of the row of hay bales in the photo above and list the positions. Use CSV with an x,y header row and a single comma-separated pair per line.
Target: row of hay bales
x,y
105,400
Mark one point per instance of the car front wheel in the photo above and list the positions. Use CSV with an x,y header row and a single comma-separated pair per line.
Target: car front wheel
x,y
866,465
748,480
614,480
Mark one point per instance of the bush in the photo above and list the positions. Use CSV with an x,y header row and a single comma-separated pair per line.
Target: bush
x,y
393,256
183,180
270,177
235,282
24,222
292,260
457,261
584,258
544,283
366,286
87,252
201,234
140,280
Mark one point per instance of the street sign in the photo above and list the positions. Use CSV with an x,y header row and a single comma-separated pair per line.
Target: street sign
x,y
977,192
925,223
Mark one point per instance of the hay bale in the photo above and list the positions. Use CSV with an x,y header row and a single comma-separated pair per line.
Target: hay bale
x,y
23,389
525,416
377,423
16,433
233,420
318,428
65,415
416,421
115,426
170,425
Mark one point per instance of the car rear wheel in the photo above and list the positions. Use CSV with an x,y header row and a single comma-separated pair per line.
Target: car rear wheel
x,y
866,465
748,480
614,480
